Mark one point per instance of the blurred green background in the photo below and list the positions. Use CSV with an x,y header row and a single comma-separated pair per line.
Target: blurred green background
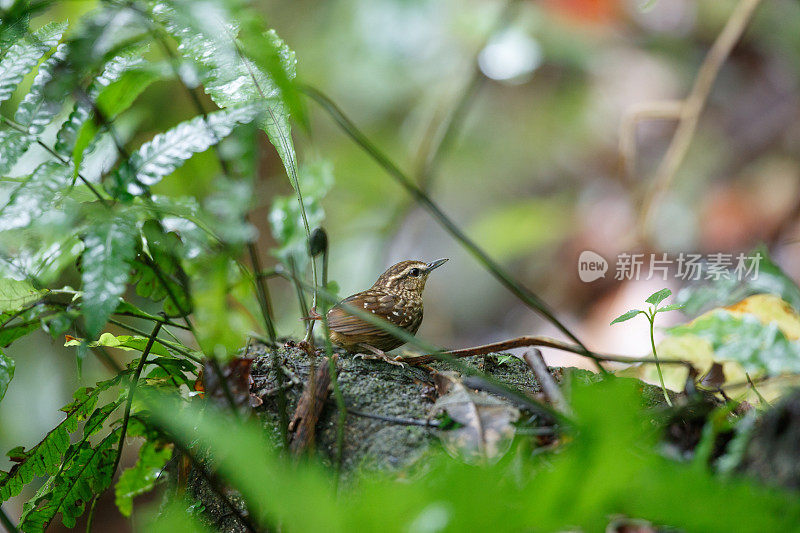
x,y
530,169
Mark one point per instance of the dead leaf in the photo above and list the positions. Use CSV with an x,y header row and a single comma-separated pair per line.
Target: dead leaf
x,y
237,377
486,428
714,378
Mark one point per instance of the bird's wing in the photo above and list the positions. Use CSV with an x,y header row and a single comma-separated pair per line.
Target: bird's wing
x,y
380,304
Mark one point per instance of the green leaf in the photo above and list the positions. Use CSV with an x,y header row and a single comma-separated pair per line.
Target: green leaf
x,y
11,332
6,373
221,327
613,457
176,516
112,100
670,307
657,297
286,218
38,108
16,294
34,197
207,36
626,316
172,372
109,246
167,151
141,478
45,458
170,283
87,473
23,56
123,342
68,134
722,292
12,145
760,348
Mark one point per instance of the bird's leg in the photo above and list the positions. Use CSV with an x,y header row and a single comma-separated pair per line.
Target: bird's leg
x,y
379,354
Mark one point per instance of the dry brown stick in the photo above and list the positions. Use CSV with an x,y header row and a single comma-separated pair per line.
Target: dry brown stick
x,y
549,387
303,424
663,110
692,107
528,341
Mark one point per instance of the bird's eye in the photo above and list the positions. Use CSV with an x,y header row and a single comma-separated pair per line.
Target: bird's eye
x,y
414,272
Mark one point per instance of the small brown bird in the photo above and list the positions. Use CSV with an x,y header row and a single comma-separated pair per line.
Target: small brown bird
x,y
395,297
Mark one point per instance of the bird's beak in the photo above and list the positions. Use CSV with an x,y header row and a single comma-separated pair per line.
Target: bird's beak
x,y
436,264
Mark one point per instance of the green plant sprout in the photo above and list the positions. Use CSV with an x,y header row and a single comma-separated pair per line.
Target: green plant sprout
x,y
654,299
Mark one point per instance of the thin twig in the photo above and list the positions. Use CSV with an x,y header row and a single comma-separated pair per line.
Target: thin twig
x,y
758,394
666,110
285,138
522,401
131,390
525,295
395,419
692,107
90,517
549,387
528,341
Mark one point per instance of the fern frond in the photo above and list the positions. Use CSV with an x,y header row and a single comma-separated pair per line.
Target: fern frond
x,y
169,150
109,246
141,477
44,458
34,197
13,144
37,110
88,472
24,55
68,134
208,39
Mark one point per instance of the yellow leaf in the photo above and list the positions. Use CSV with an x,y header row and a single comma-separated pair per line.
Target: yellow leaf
x,y
769,308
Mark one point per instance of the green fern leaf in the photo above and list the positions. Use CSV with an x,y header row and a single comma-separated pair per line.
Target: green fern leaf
x,y
87,473
12,145
208,38
17,294
34,197
67,135
141,478
44,458
11,332
24,55
37,109
171,284
112,100
109,246
167,151
6,373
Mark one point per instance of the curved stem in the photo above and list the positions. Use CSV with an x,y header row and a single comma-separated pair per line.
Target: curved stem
x,y
652,319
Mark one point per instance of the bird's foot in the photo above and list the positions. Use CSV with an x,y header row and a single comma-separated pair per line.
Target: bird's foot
x,y
377,354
